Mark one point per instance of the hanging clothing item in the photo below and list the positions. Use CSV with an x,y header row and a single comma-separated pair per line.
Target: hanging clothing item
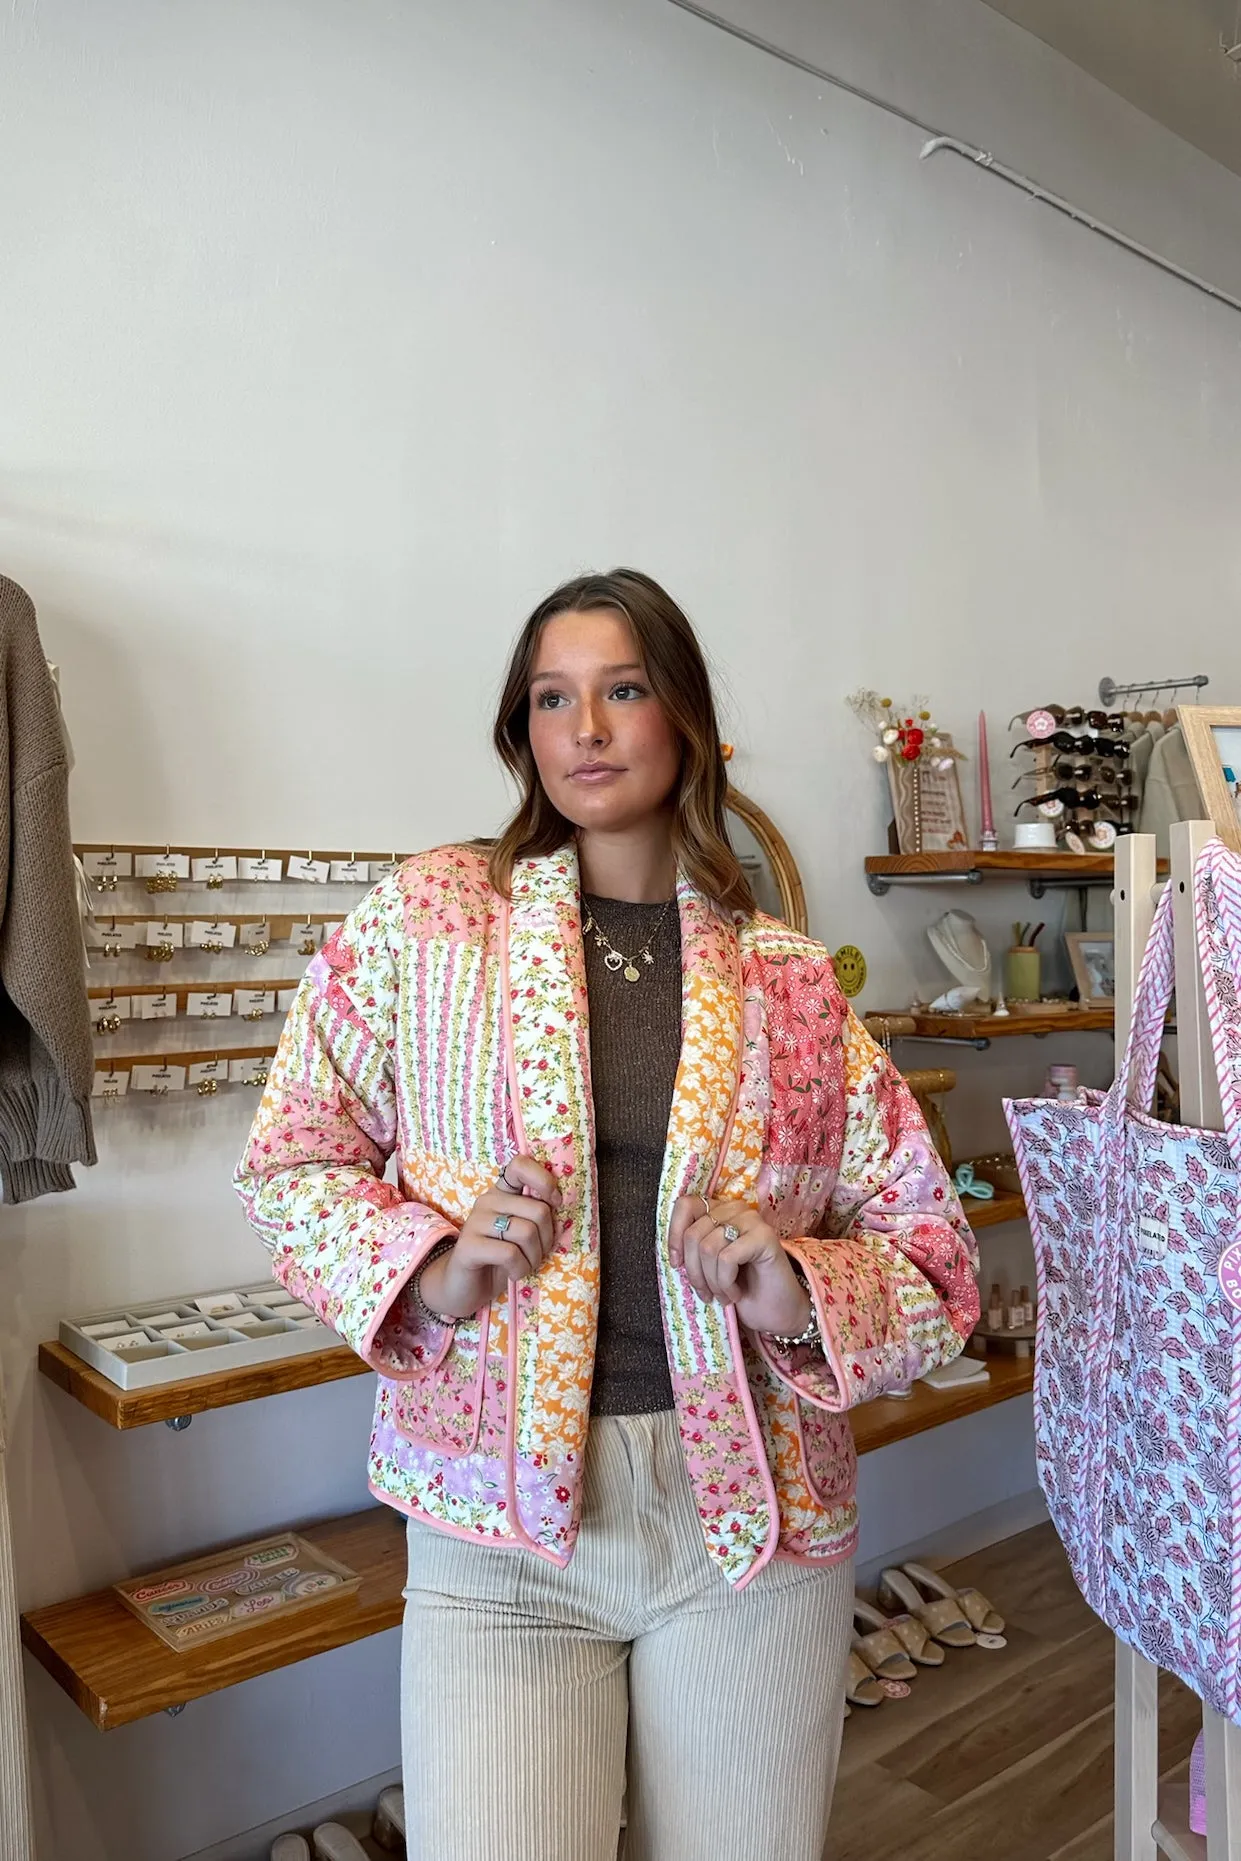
x,y
46,1060
1136,1226
1171,792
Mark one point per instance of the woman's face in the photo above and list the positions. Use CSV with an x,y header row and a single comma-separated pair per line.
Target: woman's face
x,y
605,751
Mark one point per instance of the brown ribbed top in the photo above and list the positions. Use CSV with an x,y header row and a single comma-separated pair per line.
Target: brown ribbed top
x,y
635,1047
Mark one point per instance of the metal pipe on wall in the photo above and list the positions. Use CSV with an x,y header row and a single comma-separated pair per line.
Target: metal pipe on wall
x,y
981,158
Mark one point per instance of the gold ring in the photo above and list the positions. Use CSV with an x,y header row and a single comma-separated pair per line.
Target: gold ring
x,y
705,1204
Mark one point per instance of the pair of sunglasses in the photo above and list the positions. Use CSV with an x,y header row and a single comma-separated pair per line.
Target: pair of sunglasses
x,y
1063,740
1064,798
1066,771
1075,715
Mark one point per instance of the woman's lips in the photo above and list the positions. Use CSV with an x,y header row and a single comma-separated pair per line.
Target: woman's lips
x,y
595,775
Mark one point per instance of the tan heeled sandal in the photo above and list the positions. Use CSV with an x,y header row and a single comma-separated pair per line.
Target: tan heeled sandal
x,y
911,1634
944,1619
972,1603
883,1653
861,1687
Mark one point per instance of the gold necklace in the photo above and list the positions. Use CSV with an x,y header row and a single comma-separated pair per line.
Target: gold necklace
x,y
614,959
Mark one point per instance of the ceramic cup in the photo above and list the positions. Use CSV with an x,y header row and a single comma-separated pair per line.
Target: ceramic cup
x,y
1034,837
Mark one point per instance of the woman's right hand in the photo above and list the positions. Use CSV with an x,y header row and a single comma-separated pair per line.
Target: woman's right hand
x,y
481,1263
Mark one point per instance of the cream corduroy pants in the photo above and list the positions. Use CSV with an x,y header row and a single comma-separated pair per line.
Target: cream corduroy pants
x,y
537,1702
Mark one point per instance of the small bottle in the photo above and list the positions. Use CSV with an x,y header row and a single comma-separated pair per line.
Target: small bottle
x,y
995,1311
1061,1083
1016,1315
1027,1306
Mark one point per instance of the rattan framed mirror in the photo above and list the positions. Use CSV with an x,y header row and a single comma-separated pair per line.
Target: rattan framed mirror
x,y
764,852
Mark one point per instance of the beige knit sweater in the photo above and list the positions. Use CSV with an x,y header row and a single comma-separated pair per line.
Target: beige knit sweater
x,y
46,1064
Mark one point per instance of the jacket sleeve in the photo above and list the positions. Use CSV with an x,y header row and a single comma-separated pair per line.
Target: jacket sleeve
x,y
893,1275
311,1176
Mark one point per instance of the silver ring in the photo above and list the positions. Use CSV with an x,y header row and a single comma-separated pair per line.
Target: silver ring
x,y
500,1225
730,1233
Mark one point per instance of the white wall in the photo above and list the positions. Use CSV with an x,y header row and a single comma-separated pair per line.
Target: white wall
x,y
332,336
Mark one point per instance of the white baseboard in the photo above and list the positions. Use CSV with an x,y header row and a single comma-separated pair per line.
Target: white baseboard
x,y
965,1536
255,1844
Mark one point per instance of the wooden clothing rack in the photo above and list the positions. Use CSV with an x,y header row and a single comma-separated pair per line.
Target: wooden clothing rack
x,y
1150,1822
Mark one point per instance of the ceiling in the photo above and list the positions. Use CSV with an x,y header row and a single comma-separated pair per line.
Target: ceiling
x,y
1162,55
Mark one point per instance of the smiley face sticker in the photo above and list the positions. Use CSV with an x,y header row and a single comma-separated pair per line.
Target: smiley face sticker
x,y
850,967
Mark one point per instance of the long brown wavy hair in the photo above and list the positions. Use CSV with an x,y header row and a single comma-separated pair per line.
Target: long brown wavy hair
x,y
679,679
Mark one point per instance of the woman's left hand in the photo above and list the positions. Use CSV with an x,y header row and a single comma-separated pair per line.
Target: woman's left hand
x,y
751,1272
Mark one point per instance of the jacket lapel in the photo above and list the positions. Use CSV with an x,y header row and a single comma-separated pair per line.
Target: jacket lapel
x,y
714,1147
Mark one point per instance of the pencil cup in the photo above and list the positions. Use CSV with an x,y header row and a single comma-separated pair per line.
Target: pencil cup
x,y
1022,974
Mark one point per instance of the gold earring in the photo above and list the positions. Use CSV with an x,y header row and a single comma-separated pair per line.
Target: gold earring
x,y
257,1079
111,947
307,946
258,949
254,1014
160,953
212,946
108,1024
207,1088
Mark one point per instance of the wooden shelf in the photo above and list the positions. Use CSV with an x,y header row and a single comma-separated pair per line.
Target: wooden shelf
x,y
1005,1205
137,1408
116,1670
894,1418
883,870
1010,1026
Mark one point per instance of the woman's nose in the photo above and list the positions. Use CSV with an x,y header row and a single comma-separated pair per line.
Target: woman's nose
x,y
590,726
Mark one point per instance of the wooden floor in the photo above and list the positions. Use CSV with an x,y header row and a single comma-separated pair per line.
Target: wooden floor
x,y
1005,1754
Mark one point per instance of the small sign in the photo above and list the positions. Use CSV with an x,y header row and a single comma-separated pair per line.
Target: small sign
x,y
310,871
350,872
208,1004
212,935
261,871
1152,1238
1230,1274
850,967
156,1007
214,872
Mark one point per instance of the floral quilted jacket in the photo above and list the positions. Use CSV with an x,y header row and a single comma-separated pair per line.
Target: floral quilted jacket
x,y
447,1028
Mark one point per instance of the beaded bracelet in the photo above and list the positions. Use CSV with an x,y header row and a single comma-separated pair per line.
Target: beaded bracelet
x,y
415,1285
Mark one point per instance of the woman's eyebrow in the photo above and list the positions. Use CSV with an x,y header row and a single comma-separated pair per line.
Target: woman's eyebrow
x,y
537,677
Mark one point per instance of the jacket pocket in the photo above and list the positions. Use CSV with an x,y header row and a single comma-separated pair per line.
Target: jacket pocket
x,y
443,1409
828,1456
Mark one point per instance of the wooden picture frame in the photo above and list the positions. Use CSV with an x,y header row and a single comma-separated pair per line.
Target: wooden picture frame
x,y
928,813
1093,956
1213,739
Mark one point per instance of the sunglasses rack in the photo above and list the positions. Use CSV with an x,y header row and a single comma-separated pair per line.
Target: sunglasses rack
x,y
1078,782
233,950
1110,691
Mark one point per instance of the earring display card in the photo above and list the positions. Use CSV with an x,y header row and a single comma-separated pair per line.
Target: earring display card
x,y
188,1604
145,1345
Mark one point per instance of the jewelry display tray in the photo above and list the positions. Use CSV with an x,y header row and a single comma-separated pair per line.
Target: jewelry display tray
x,y
274,1326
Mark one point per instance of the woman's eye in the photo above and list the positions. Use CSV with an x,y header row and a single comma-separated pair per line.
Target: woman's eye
x,y
628,691
549,700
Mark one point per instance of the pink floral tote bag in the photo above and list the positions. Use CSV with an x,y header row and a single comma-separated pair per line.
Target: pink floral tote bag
x,y
1137,1397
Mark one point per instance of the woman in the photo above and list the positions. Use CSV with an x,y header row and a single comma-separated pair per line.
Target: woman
x,y
663,1213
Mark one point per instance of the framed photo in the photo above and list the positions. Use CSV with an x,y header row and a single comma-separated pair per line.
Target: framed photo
x,y
1213,739
1093,956
928,814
